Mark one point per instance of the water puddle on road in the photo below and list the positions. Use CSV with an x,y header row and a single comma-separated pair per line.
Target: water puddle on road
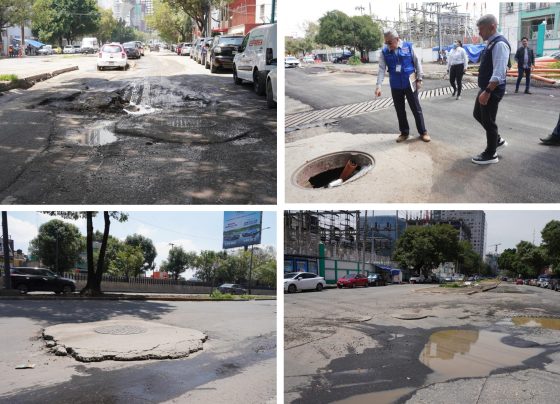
x,y
537,322
98,135
470,353
387,396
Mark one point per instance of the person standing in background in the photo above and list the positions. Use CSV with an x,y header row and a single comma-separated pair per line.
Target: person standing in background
x,y
525,59
457,64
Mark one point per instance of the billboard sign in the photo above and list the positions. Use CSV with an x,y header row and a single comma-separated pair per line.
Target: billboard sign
x,y
242,229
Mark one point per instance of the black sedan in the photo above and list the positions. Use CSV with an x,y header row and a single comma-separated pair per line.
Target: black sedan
x,y
29,279
222,52
132,50
232,288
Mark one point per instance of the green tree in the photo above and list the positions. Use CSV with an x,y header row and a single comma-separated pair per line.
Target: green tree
x,y
508,261
6,16
178,261
107,24
54,20
551,243
123,33
335,29
367,34
128,260
172,25
198,10
264,266
60,237
208,264
531,259
470,262
95,273
424,248
147,247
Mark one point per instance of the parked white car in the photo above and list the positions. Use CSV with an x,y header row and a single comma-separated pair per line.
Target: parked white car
x,y
46,50
295,281
290,61
68,49
256,57
271,89
112,55
417,279
186,49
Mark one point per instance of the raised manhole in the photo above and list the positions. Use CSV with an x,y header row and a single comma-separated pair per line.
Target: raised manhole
x,y
120,330
333,169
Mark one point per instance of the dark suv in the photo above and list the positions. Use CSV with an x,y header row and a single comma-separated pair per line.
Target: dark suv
x,y
222,52
232,288
28,279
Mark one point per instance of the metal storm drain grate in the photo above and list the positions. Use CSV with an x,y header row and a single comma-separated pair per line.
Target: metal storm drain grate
x,y
120,330
310,118
333,170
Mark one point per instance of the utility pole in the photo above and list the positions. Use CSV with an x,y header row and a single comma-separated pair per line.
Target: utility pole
x,y
6,248
364,244
273,14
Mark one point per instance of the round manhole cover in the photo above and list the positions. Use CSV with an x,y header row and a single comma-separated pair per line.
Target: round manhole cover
x,y
333,169
120,330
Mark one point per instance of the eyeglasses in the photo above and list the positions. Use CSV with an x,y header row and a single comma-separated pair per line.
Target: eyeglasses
x,y
389,42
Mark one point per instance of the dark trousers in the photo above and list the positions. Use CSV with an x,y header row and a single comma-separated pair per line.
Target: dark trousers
x,y
412,98
486,116
520,71
456,75
556,131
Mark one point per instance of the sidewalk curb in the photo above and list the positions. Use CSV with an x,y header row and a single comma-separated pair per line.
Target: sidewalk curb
x,y
28,82
132,297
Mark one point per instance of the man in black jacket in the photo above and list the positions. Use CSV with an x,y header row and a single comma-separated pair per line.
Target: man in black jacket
x,y
525,63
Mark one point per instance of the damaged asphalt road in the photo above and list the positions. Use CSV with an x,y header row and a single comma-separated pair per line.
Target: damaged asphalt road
x,y
453,343
164,132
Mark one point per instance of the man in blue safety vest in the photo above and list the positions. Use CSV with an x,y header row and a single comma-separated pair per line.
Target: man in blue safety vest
x,y
492,83
405,79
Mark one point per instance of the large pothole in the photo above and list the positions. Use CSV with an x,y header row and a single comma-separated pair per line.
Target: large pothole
x,y
333,169
122,340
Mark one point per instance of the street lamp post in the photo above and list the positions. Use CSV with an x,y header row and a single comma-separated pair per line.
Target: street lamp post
x,y
6,248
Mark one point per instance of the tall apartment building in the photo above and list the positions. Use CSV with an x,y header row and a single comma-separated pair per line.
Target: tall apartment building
x,y
474,219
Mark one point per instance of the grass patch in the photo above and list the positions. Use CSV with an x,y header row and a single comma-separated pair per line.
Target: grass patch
x,y
450,285
354,60
217,295
8,77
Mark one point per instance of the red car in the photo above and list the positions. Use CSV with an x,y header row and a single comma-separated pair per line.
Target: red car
x,y
519,281
352,280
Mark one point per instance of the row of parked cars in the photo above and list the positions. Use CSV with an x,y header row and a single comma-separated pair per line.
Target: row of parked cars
x,y
551,282
299,281
251,58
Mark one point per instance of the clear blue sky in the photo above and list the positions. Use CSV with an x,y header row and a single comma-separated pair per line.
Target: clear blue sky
x,y
194,231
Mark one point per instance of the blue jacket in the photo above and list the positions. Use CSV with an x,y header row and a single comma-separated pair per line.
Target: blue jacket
x,y
400,56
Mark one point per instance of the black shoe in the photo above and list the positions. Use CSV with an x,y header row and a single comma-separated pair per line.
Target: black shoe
x,y
502,143
485,158
454,92
551,140
516,90
528,92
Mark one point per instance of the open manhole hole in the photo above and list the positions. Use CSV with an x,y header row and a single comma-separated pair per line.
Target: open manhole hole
x,y
333,169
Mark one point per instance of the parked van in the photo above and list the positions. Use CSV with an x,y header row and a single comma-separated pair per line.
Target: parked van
x,y
256,57
90,45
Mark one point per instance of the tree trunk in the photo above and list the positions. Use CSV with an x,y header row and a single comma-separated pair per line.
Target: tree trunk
x,y
102,251
89,252
22,47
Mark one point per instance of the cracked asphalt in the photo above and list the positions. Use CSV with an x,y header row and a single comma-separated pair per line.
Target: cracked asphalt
x,y
237,362
164,132
353,346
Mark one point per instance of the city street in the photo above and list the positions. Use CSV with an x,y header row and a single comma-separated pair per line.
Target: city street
x,y
237,362
333,108
422,344
165,131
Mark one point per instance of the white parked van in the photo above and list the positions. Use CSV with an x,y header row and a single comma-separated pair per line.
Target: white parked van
x,y
256,57
90,45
